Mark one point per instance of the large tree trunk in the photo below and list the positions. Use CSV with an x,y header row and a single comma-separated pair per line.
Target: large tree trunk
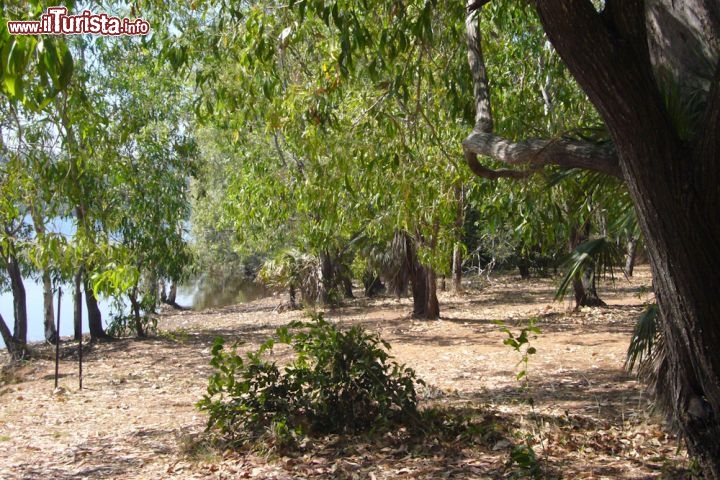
x,y
424,285
673,181
51,334
19,301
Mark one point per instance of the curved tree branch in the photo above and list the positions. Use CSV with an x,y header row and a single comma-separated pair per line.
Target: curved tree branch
x,y
534,153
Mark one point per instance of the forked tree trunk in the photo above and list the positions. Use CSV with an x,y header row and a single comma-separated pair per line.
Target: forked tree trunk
x,y
585,290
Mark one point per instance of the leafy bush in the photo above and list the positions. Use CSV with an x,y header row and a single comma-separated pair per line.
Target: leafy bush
x,y
339,381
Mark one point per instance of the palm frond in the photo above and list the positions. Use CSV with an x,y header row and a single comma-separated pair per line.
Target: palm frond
x,y
600,253
645,338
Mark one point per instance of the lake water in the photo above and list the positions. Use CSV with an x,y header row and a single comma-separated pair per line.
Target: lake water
x,y
207,294
34,295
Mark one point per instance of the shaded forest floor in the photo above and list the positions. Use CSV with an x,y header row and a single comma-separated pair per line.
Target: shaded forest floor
x,y
135,417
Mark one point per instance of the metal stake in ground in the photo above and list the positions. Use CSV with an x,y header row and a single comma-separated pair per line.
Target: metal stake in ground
x,y
57,345
80,361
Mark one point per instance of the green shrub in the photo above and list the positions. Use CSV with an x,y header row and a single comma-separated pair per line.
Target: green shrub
x,y
124,325
339,381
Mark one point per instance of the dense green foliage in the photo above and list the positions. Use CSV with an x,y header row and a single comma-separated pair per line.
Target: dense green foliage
x,y
338,381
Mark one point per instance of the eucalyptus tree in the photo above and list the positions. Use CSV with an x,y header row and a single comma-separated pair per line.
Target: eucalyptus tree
x,y
302,127
125,157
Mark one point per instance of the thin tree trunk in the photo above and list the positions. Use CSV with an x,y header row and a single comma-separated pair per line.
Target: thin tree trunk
x,y
347,287
172,294
77,305
135,305
457,258
16,348
457,268
19,300
51,334
293,296
163,292
432,310
584,283
97,332
630,256
326,278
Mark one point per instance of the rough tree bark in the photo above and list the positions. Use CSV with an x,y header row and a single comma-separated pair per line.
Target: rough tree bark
x,y
623,57
19,301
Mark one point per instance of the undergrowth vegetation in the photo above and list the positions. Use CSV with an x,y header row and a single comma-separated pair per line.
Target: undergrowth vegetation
x,y
338,382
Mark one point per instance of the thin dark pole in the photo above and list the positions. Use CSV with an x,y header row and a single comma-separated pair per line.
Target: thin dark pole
x,y
57,344
80,359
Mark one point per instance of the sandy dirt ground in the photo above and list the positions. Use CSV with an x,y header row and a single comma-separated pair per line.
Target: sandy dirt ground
x,y
135,416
